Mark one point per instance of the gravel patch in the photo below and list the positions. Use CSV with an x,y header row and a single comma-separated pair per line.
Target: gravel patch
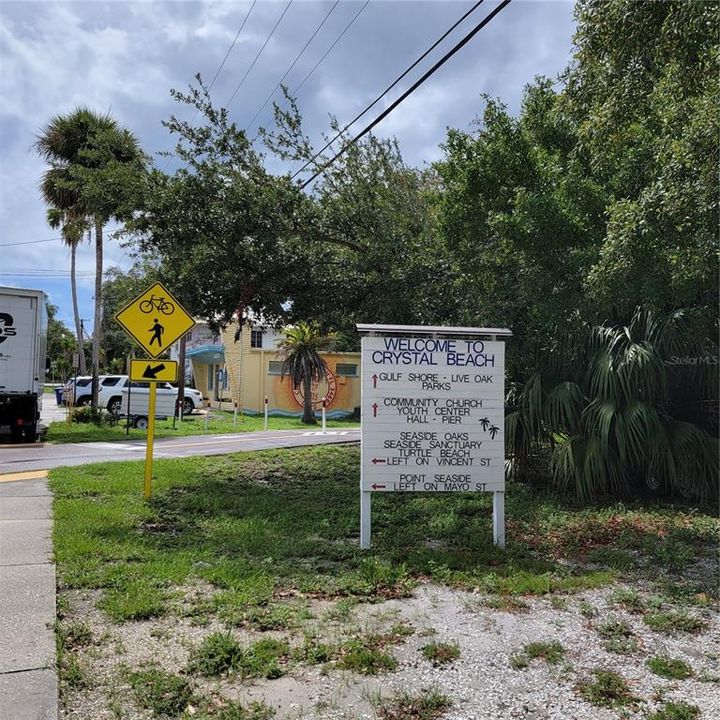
x,y
481,683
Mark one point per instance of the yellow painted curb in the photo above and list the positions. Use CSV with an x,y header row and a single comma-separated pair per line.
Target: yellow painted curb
x,y
29,475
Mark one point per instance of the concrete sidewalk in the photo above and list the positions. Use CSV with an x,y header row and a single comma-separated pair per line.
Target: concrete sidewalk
x,y
28,678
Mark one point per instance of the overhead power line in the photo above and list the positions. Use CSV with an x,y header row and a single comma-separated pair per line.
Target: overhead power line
x,y
257,57
232,45
219,70
330,49
388,88
292,65
409,91
31,242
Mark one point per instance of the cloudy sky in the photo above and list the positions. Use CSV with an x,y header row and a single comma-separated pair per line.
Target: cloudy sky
x,y
124,57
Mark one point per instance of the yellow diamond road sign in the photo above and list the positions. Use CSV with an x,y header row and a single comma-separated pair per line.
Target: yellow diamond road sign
x,y
153,370
155,320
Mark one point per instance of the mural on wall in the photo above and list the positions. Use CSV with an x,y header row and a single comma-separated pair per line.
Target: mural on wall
x,y
325,388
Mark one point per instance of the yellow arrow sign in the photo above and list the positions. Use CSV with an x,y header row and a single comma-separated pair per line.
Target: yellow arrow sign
x,y
153,370
155,320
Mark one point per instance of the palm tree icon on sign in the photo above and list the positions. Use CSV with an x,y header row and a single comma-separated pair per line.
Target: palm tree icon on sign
x,y
494,430
484,422
157,303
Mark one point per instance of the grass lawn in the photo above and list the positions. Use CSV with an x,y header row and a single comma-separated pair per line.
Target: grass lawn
x,y
260,525
220,423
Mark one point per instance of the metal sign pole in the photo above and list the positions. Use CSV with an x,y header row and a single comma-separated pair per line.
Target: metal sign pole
x,y
365,497
499,519
150,438
365,514
127,423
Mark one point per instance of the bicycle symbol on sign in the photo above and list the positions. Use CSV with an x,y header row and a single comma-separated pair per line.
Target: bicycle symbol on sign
x,y
157,303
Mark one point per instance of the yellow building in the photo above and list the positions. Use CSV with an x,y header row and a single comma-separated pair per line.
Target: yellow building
x,y
249,370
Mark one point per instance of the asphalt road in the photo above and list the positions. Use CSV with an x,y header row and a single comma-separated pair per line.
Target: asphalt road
x,y
24,458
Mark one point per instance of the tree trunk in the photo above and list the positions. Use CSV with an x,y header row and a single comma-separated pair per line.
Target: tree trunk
x,y
97,321
76,311
308,417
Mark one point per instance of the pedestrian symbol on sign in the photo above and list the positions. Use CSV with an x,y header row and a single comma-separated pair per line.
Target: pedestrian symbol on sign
x,y
157,329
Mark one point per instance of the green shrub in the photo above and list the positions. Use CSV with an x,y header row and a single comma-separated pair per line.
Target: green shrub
x,y
86,415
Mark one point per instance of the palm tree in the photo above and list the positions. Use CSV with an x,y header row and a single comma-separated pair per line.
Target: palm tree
x,y
623,409
72,231
89,156
299,351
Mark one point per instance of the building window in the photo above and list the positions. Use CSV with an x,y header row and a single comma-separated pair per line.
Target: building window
x,y
256,338
346,370
275,367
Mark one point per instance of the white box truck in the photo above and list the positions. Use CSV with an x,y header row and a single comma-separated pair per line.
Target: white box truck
x,y
23,339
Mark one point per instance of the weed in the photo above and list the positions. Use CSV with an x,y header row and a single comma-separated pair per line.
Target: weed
x,y
551,652
220,708
608,689
63,606
402,630
628,599
365,656
440,653
73,635
161,692
72,672
312,652
134,601
217,654
429,705
377,578
676,711
342,610
508,603
265,658
614,558
587,609
669,621
221,654
671,668
274,617
558,602
619,637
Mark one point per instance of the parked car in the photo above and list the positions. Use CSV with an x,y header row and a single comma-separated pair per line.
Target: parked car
x,y
111,388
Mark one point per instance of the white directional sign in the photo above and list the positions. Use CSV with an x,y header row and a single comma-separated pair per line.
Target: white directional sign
x,y
432,414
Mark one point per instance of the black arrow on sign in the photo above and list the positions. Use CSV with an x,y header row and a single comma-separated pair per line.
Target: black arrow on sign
x,y
151,372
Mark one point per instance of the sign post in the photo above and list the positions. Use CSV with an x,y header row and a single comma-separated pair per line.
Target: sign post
x,y
433,414
155,320
152,401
